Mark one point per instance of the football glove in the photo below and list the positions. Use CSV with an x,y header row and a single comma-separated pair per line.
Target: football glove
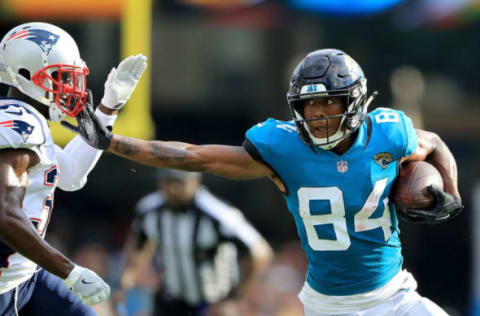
x,y
121,81
446,207
87,285
90,128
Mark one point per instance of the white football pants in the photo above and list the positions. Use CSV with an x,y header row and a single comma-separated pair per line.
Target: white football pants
x,y
404,303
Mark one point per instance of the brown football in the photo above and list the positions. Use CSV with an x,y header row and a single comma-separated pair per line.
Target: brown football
x,y
410,187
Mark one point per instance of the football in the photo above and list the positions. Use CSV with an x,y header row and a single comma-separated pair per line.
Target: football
x,y
410,187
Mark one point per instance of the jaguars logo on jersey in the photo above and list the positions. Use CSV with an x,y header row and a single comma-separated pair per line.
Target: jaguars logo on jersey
x,y
383,159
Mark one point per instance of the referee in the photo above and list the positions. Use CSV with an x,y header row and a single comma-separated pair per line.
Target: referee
x,y
194,239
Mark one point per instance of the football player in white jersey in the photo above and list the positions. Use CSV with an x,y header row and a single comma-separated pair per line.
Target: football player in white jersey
x,y
47,78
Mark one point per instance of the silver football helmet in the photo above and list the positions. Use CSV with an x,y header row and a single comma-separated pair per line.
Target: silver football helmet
x,y
43,62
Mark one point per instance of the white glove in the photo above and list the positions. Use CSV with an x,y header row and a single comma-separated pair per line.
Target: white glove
x,y
87,285
122,81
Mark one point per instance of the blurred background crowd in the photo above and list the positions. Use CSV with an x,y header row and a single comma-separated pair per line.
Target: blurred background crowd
x,y
219,66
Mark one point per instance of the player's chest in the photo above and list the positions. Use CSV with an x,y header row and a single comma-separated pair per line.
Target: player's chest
x,y
351,180
342,171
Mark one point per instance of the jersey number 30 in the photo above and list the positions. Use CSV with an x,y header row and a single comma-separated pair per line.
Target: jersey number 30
x,y
362,220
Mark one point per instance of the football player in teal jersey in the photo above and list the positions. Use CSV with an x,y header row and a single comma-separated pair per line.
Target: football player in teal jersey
x,y
335,164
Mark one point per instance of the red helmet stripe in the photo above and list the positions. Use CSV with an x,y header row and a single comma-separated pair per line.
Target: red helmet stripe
x,y
18,35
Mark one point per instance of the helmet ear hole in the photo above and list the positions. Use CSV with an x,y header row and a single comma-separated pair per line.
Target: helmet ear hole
x,y
24,73
345,100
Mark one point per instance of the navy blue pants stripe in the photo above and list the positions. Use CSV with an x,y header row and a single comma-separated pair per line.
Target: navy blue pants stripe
x,y
44,294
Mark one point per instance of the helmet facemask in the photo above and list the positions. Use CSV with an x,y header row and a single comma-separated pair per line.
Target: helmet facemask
x,y
354,99
65,85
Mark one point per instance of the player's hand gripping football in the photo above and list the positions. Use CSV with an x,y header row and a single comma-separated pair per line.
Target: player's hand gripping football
x,y
90,128
87,285
122,81
446,207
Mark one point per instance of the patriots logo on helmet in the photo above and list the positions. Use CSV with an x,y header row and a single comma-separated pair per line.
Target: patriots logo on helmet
x,y
22,128
45,39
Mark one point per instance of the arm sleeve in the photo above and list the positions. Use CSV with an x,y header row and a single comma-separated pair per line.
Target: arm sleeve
x,y
410,136
258,139
232,223
399,134
145,223
237,227
77,159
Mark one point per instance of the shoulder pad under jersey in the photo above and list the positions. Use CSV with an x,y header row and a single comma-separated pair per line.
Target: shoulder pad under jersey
x,y
21,126
396,130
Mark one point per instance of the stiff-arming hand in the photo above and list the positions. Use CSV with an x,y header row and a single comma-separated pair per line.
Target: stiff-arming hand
x,y
90,128
87,285
121,81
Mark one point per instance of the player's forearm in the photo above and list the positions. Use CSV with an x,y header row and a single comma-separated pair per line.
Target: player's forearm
x,y
78,158
154,153
250,272
138,258
225,161
19,234
443,160
261,255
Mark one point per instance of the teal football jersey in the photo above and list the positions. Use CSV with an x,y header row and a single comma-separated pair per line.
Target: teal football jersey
x,y
346,223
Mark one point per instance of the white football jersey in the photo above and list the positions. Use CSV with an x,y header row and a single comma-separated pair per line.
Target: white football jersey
x,y
22,126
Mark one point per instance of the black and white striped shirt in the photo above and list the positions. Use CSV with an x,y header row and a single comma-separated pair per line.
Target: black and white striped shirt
x,y
196,248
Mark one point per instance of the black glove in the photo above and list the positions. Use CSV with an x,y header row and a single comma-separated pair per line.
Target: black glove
x,y
90,128
446,207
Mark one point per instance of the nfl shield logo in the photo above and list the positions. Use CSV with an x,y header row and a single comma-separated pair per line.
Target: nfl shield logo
x,y
342,166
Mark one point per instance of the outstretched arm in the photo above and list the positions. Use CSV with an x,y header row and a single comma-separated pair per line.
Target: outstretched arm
x,y
227,161
77,159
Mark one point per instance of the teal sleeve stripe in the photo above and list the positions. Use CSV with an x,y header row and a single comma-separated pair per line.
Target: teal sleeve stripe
x,y
412,139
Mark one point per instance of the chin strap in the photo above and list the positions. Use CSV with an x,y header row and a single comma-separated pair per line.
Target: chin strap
x,y
320,142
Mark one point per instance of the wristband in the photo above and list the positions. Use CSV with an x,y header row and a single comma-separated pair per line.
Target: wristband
x,y
105,119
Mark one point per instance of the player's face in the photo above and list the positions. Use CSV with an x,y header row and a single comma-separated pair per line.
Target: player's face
x,y
179,192
321,108
66,79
